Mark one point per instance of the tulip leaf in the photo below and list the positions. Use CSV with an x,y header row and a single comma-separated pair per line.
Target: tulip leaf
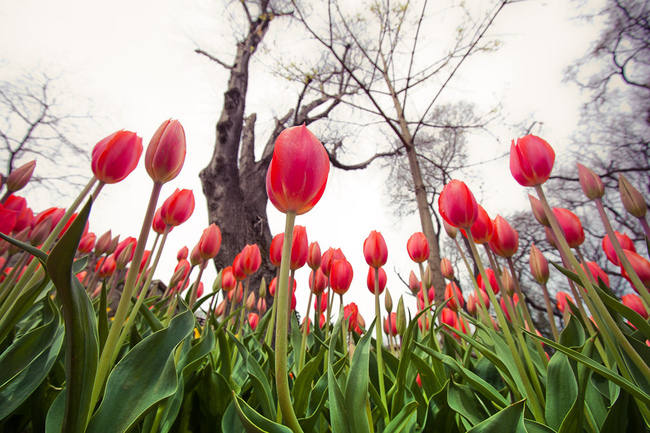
x,y
82,347
510,419
254,422
40,255
440,417
303,385
102,318
356,391
261,386
144,377
22,305
404,421
338,419
561,390
26,363
466,403
148,316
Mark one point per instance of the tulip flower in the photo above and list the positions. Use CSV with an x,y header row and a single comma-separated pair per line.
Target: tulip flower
x,y
595,272
634,302
298,171
449,317
513,304
370,280
253,320
531,160
508,282
158,225
87,243
7,220
390,325
473,304
505,239
632,199
275,251
180,272
375,250
106,266
273,286
130,243
166,152
351,316
182,253
418,247
299,248
454,295
571,226
251,259
210,242
608,248
591,184
538,265
446,268
319,281
178,208
482,229
341,276
414,283
103,244
195,256
492,280
116,156
228,281
431,294
329,257
562,299
261,306
54,212
457,205
18,178
314,256
538,211
640,265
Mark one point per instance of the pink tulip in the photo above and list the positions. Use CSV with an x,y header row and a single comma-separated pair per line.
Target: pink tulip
x,y
116,156
531,160
166,152
418,247
178,208
457,205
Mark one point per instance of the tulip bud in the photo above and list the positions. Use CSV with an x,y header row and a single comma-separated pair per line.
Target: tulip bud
x,y
195,256
166,152
18,178
454,296
182,254
590,182
381,280
40,232
388,301
275,251
634,302
124,256
261,306
253,320
452,231
508,282
228,281
538,211
221,308
427,278
457,205
210,242
571,226
113,245
87,243
250,302
531,160
418,247
116,156
299,248
158,225
447,269
632,199
262,291
375,250
178,207
22,236
414,283
538,265
401,316
505,239
314,256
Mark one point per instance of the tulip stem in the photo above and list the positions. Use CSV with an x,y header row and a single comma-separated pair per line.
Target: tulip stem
x,y
378,333
282,296
305,325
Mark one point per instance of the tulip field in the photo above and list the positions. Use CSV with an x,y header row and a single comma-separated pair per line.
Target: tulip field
x,y
213,356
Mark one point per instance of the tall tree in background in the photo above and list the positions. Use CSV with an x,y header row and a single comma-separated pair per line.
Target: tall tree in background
x,y
390,55
234,181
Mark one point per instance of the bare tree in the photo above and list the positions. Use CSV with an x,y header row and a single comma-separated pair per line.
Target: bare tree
x,y
388,56
35,124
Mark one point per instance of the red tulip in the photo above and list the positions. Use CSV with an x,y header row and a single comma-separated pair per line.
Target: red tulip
x,y
116,156
329,257
457,205
55,212
474,304
24,215
318,284
238,267
492,279
200,290
18,178
178,208
351,315
182,253
375,250
390,324
103,244
370,280
261,306
531,160
7,220
87,243
314,256
640,265
341,276
634,302
40,231
455,296
538,265
596,272
210,242
449,317
251,259
158,225
505,239
431,294
228,281
482,229
323,297
538,211
274,283
106,266
297,174
130,241
418,247
562,299
625,242
195,256
299,248
166,152
414,283
180,272
571,226
446,268
275,251
513,304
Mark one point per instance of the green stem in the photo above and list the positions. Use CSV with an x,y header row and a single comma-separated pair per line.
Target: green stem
x,y
305,324
549,311
380,345
282,294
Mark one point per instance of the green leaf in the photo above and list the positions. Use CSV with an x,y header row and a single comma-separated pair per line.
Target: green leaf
x,y
561,390
440,416
144,377
356,392
303,385
254,422
338,416
261,386
404,421
82,348
40,255
464,401
510,419
26,363
102,318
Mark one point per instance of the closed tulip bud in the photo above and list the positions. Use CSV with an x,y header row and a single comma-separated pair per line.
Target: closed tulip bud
x,y
87,243
562,298
124,256
262,291
457,205
388,301
178,208
538,211
505,239
200,290
375,250
250,302
166,152
253,320
631,197
427,278
299,248
275,251
314,256
210,242
508,282
228,281
103,244
182,254
319,283
414,283
473,304
113,245
220,309
590,182
350,315
116,156
482,229
251,259
390,325
216,284
571,226
18,178
180,272
298,171
454,296
22,236
329,257
418,247
452,231
261,306
106,267
401,316
625,242
40,231
158,225
195,256
447,269
341,276
538,265
531,160
371,280
634,302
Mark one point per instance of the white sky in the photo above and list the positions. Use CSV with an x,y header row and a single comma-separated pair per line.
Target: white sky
x,y
135,61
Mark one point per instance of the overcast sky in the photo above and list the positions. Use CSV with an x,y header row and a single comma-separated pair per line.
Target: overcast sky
x,y
132,64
